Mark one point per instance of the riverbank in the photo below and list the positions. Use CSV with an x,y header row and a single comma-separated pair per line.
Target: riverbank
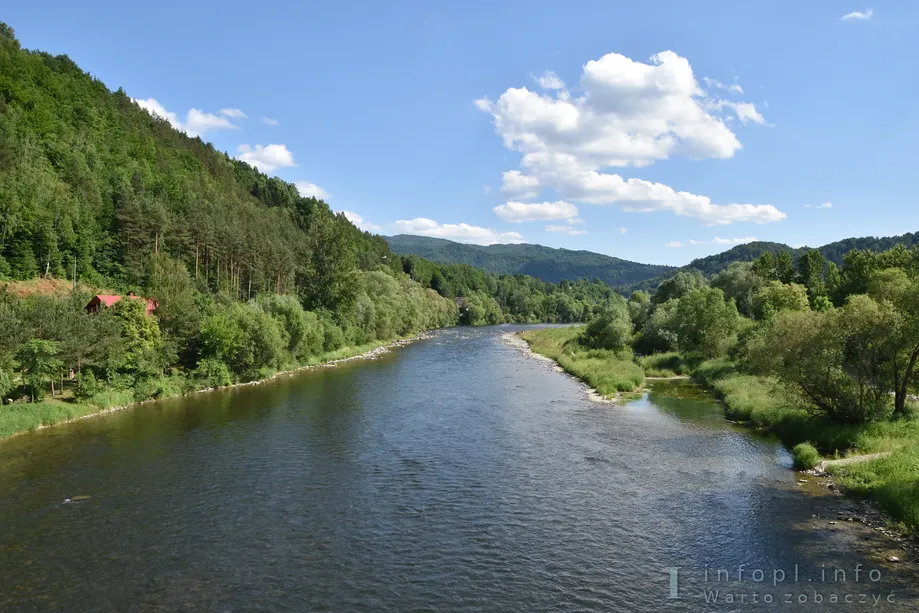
x,y
889,476
613,376
20,418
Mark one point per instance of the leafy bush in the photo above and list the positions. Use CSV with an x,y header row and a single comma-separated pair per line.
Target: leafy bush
x,y
213,373
806,456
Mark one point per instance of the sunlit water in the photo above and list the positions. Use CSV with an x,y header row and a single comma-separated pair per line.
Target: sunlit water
x,y
457,474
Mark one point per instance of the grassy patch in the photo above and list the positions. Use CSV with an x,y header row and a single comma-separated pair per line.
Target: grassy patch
x,y
608,372
24,417
670,364
893,481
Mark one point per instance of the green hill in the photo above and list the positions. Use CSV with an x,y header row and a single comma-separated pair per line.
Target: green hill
x,y
544,263
833,252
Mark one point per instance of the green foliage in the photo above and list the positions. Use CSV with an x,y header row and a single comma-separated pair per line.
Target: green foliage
x,y
213,373
679,285
611,328
776,296
805,456
669,364
39,364
706,322
246,338
741,283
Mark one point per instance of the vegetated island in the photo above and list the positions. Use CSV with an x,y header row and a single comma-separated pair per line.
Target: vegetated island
x,y
825,357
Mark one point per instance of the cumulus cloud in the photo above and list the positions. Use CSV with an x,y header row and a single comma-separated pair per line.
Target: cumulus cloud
x,y
623,230
359,221
196,122
266,158
565,230
463,233
268,121
630,114
518,185
550,80
715,241
865,15
825,205
536,211
311,190
234,113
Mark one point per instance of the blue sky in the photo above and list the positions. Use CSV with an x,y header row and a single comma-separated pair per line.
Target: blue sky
x,y
656,132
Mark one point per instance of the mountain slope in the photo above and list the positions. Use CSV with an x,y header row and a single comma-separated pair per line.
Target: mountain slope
x,y
833,252
544,263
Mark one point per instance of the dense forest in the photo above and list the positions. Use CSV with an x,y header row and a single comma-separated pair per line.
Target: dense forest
x,y
248,276
544,263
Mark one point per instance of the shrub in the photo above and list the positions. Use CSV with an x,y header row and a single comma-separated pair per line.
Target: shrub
x,y
806,456
213,373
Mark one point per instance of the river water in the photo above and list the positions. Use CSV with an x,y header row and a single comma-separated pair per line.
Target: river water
x,y
456,474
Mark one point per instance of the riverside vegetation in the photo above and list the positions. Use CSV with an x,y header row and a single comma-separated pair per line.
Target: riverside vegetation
x,y
99,196
826,357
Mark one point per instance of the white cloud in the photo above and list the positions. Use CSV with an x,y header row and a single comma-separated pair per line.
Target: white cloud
x,y
536,211
637,195
623,230
311,190
461,232
825,205
360,222
265,158
715,241
518,185
550,80
565,230
196,122
574,220
234,113
865,15
734,88
630,114
268,121
199,122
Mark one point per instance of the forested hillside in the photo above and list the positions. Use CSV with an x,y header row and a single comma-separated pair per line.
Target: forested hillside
x,y
544,263
249,277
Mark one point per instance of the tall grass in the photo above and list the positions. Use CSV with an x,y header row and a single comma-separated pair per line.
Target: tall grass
x,y
669,364
608,372
24,417
764,403
893,481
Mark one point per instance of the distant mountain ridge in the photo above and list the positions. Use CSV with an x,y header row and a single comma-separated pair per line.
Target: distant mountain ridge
x,y
545,263
550,264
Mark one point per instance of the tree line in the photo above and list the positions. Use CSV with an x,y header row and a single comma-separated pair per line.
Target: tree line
x,y
844,341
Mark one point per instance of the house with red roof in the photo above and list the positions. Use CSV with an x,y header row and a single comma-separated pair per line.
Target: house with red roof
x,y
107,300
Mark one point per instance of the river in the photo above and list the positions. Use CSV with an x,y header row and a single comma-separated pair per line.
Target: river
x,y
456,474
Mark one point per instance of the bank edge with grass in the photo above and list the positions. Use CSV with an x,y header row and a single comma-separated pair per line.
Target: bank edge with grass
x,y
761,403
22,417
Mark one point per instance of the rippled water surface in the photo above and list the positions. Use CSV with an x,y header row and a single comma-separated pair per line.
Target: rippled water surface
x,y
456,474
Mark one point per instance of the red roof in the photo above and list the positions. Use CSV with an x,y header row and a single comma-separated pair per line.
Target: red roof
x,y
110,299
